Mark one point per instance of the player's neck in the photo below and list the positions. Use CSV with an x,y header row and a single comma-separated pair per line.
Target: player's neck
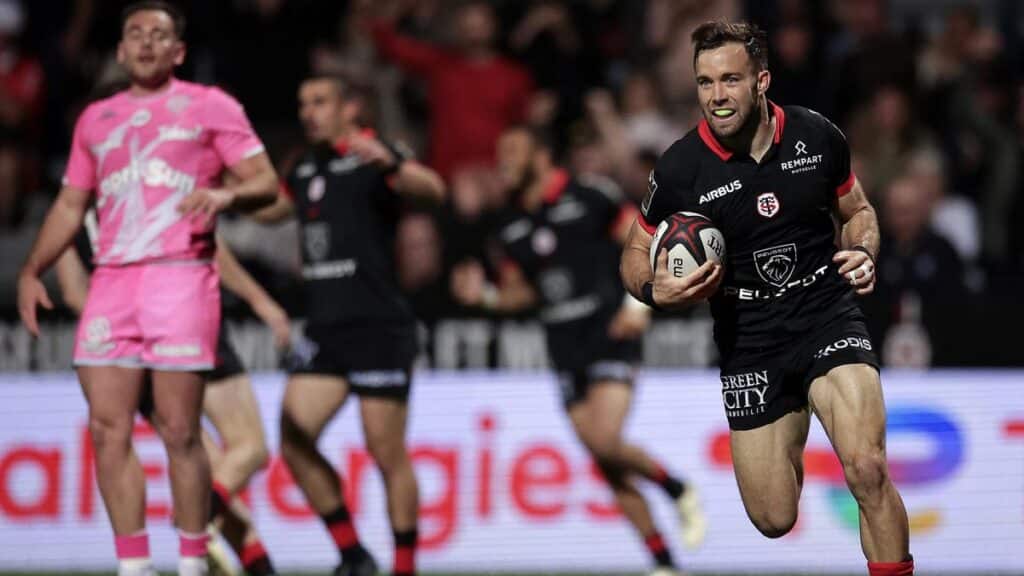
x,y
534,194
144,89
757,136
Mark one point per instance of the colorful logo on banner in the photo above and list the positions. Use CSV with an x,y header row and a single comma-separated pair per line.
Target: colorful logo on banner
x,y
939,462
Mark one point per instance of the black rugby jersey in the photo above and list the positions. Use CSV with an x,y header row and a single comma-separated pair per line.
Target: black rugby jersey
x,y
85,241
566,249
777,220
348,215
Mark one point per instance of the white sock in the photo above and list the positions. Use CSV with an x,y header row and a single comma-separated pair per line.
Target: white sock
x,y
192,566
135,567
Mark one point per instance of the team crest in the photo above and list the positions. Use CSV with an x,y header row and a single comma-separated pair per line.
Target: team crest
x,y
544,241
775,265
177,103
317,237
316,189
768,204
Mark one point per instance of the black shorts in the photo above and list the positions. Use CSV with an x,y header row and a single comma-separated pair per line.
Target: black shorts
x,y
760,387
375,359
228,365
582,354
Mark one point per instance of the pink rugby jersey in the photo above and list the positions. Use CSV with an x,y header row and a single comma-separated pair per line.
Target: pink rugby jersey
x,y
142,155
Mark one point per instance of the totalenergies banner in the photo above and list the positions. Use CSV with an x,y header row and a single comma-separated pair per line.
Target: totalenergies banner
x,y
506,487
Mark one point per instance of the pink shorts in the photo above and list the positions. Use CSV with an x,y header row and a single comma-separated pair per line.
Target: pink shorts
x,y
163,316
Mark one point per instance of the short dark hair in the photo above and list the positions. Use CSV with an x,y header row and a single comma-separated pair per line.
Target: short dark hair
x,y
175,13
344,88
712,35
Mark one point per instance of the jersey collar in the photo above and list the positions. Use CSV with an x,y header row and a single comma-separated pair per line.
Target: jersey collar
x,y
708,137
556,184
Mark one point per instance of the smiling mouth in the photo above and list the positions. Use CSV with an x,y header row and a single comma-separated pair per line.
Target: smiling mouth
x,y
723,113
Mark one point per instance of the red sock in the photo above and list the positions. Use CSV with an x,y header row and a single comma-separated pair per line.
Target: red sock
x,y
405,553
255,559
343,532
220,499
132,546
905,568
659,552
193,545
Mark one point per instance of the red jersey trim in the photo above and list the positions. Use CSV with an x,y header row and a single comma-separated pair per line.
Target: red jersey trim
x,y
556,184
845,187
642,221
708,137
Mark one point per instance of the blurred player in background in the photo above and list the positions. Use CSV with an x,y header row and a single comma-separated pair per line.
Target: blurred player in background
x,y
790,334
152,154
561,242
228,401
347,191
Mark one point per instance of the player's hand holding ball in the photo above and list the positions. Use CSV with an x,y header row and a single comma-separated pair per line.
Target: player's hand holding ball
x,y
858,268
686,256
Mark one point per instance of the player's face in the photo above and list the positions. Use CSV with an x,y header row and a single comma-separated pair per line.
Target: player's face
x,y
515,156
149,47
729,88
322,110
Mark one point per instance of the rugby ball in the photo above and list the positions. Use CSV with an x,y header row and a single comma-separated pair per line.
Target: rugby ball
x,y
690,239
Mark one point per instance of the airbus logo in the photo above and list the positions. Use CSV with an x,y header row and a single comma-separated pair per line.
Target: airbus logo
x,y
720,191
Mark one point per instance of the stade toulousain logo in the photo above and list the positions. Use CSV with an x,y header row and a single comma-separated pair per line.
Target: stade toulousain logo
x,y
768,204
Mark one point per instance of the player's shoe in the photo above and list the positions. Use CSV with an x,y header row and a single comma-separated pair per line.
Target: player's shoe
x,y
365,567
217,556
692,523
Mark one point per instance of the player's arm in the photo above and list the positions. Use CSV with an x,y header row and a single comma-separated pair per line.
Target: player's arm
x,y
234,277
73,279
60,226
659,288
512,293
282,209
859,238
405,176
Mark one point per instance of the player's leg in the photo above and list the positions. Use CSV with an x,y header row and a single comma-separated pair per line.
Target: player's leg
x,y
597,417
849,403
231,407
178,401
310,401
112,393
609,402
384,424
768,463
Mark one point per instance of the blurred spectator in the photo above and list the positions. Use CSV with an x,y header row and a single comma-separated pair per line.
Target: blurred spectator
x,y
419,261
864,55
920,279
21,99
971,104
955,218
795,65
561,56
474,93
883,135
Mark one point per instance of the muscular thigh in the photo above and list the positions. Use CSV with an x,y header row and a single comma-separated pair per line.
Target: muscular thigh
x,y
849,403
767,460
311,400
111,391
